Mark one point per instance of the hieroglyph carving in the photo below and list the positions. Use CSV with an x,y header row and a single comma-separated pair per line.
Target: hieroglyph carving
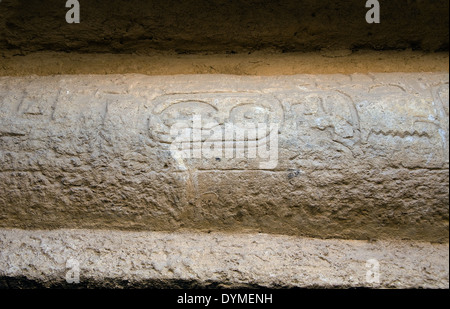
x,y
219,126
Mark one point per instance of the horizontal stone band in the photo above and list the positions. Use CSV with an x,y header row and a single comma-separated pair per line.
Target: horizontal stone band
x,y
346,156
86,258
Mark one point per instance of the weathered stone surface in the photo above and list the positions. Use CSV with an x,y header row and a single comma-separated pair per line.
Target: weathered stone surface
x,y
263,63
152,259
359,156
222,26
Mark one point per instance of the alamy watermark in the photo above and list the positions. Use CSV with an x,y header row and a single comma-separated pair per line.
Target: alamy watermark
x,y
200,140
373,271
73,14
373,15
73,273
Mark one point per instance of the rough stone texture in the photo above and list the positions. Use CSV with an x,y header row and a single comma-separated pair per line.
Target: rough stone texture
x,y
222,25
261,63
360,156
149,259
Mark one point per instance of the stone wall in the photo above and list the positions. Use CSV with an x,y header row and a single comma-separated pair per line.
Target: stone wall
x,y
222,26
357,156
224,144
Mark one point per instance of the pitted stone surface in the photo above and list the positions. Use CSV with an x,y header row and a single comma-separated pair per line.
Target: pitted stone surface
x,y
149,259
359,156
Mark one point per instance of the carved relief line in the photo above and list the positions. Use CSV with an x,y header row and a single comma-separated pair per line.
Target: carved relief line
x,y
227,122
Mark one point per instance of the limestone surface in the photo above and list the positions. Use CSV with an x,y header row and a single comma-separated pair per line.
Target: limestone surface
x,y
340,156
115,259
